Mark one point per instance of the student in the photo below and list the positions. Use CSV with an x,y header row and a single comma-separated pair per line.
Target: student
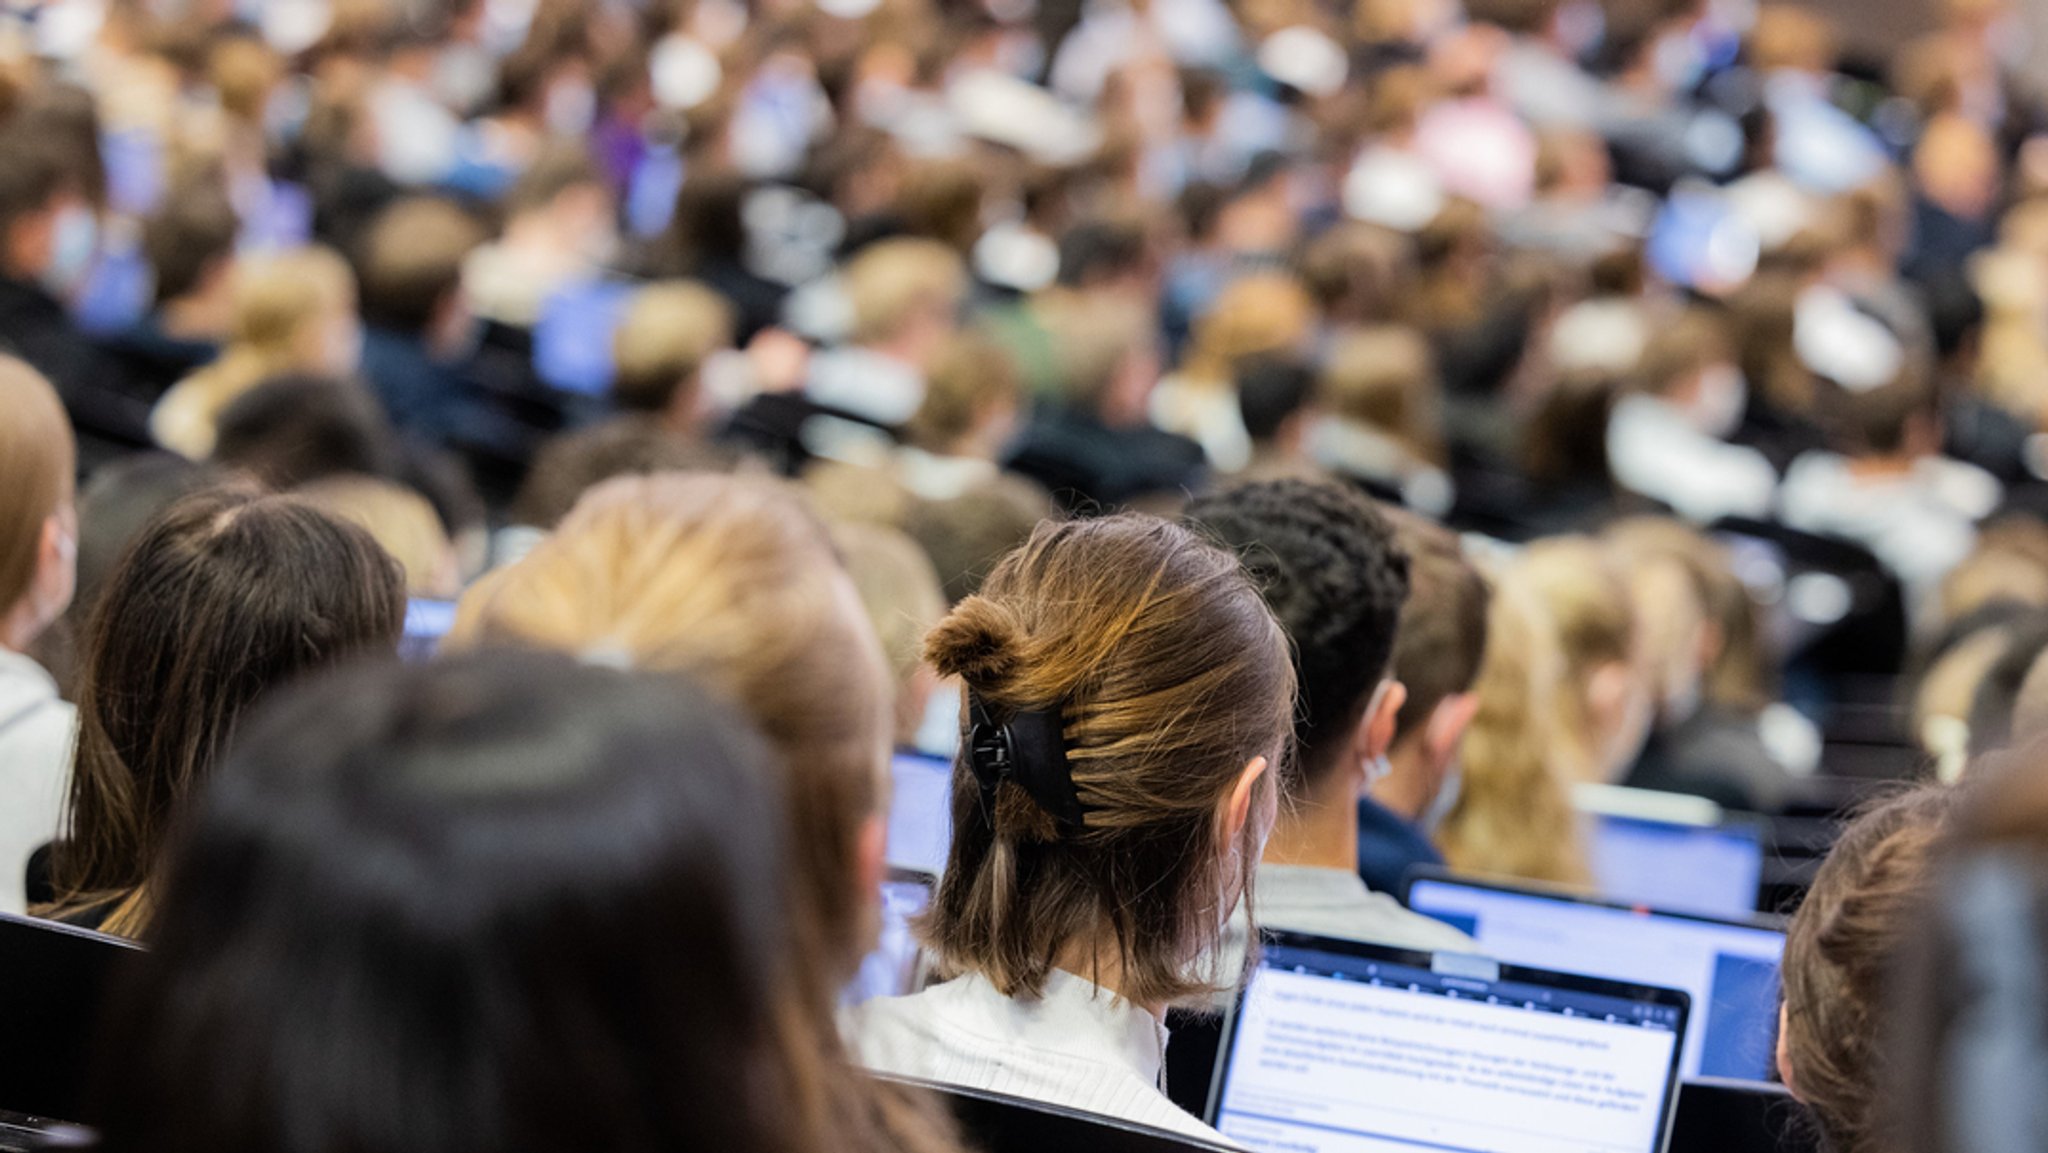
x,y
1605,701
190,246
226,597
1330,569
903,294
523,905
294,313
1127,694
1865,903
1667,439
670,331
38,558
1384,428
1513,816
1261,314
1438,647
734,582
402,523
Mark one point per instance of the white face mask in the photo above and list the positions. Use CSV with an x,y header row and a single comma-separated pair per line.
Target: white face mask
x,y
74,243
1446,798
1722,398
1376,770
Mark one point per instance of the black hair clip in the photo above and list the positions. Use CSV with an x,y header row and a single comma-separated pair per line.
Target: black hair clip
x,y
1029,749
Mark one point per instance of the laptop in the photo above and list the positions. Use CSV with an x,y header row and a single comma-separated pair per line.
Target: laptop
x,y
892,969
1728,966
1341,1047
1671,851
921,813
54,980
426,622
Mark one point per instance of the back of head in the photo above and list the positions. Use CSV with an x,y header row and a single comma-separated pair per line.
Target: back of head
x,y
670,329
1164,675
123,498
971,376
1865,903
1271,391
411,262
38,467
1263,313
967,535
293,430
1385,377
891,283
226,597
1441,637
522,904
276,297
1094,253
190,236
1679,350
34,171
1093,340
570,465
402,523
733,581
1328,565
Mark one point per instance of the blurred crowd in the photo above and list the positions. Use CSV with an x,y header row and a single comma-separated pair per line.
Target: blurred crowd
x,y
1724,352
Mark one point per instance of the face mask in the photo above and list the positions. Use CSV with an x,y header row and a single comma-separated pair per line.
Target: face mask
x,y
571,108
1378,769
1723,396
1446,799
74,243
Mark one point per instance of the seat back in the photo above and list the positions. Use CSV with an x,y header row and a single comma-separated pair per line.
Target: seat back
x,y
994,1123
1716,1116
53,982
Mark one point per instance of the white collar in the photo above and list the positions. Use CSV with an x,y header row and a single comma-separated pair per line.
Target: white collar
x,y
1076,1016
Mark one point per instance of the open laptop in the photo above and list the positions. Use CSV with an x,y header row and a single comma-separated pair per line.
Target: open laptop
x,y
921,813
54,982
1339,1047
1729,966
426,622
1672,851
892,969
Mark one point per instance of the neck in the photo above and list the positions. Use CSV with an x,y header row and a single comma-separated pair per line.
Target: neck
x,y
206,316
1102,964
19,627
1880,467
1402,792
1321,831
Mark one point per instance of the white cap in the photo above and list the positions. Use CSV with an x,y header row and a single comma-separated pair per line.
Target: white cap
x,y
1393,189
1002,109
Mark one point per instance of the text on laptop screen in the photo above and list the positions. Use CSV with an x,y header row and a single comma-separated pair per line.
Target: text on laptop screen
x,y
890,969
1338,1053
921,813
1699,870
1730,970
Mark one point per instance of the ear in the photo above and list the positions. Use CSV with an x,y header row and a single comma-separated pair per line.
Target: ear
x,y
1376,730
1237,807
870,858
1447,725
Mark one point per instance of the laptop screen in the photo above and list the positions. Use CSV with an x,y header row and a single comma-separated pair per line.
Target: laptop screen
x,y
1714,869
1730,968
426,622
890,970
921,813
1338,1047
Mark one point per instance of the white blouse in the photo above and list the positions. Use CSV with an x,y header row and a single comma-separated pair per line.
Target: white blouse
x,y
36,729
1079,1046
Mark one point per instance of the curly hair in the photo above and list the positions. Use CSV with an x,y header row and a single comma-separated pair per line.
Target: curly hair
x,y
1329,566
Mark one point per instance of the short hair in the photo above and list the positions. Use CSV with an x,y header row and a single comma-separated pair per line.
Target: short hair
x,y
122,498
670,329
1878,420
1441,640
1680,347
263,588
1385,377
194,231
1271,390
1167,675
1092,341
1095,251
562,165
1329,567
34,170
571,464
277,295
971,375
559,878
1840,951
292,430
411,259
38,466
966,535
890,281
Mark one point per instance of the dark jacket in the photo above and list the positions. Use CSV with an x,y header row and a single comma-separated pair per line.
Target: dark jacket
x,y
1088,465
108,419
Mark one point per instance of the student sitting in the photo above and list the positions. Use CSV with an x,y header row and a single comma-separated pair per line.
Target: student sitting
x,y
1128,691
227,596
38,557
1667,439
1438,648
1334,576
522,904
1865,904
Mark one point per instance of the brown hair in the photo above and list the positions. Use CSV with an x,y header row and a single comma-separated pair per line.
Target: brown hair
x,y
734,581
1680,348
411,260
971,376
1169,675
1441,638
1592,618
38,465
1385,377
670,329
890,282
1839,954
228,595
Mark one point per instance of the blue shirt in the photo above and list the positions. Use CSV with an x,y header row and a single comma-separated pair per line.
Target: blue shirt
x,y
1389,846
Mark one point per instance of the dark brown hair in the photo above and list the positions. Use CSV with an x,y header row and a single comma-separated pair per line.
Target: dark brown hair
x,y
228,595
1169,674
1441,638
1839,956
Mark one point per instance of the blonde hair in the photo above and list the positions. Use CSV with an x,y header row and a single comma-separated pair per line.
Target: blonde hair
x,y
276,300
1514,815
38,467
401,520
970,376
670,329
1592,617
900,590
1385,377
889,282
732,580
1268,312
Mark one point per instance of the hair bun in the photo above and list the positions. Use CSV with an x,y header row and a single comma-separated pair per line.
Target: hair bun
x,y
980,642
